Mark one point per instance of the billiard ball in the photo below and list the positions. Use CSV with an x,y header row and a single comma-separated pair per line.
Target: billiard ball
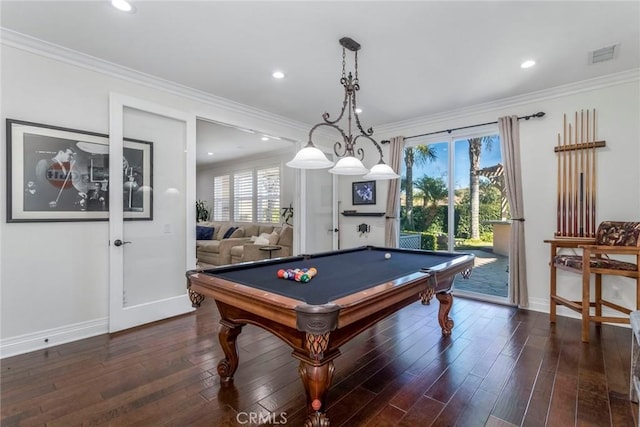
x,y
387,255
281,273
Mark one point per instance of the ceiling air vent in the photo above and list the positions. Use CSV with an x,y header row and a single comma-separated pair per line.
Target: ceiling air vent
x,y
603,54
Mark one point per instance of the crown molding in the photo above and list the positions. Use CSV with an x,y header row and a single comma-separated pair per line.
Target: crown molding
x,y
614,79
40,47
56,52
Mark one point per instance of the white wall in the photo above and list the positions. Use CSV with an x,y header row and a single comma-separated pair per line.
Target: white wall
x,y
54,276
617,103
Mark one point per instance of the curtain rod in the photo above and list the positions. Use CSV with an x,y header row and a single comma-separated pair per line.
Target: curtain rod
x,y
538,114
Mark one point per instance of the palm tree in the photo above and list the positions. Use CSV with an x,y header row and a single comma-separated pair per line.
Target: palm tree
x,y
434,190
417,155
475,148
419,197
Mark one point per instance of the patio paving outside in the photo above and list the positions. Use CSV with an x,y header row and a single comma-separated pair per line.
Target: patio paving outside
x,y
489,276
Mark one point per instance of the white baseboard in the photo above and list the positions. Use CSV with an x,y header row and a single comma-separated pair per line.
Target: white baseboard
x,y
52,337
538,304
165,309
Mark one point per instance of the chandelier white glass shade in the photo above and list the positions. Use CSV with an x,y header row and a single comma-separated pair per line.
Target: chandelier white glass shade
x,y
381,171
349,166
310,157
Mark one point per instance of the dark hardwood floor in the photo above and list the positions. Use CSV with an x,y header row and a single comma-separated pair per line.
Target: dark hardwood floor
x,y
501,367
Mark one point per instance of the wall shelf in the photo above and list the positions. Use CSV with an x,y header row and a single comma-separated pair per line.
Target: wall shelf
x,y
354,213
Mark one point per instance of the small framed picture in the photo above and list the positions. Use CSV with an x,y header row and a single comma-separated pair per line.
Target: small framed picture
x,y
364,193
60,174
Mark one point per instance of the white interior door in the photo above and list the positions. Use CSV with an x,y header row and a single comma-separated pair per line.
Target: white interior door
x,y
319,201
151,211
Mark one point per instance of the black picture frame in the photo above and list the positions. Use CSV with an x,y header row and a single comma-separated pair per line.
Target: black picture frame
x,y
364,193
57,174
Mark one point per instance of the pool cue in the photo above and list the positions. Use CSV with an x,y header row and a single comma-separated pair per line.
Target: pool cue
x,y
582,177
559,203
593,176
567,231
570,184
587,183
565,168
576,221
577,195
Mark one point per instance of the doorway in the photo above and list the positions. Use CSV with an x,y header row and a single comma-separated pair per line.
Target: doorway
x,y
228,153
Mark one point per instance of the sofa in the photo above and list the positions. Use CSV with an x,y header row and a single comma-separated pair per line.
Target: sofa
x,y
281,239
215,239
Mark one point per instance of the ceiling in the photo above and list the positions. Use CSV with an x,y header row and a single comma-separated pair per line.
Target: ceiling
x,y
218,143
418,58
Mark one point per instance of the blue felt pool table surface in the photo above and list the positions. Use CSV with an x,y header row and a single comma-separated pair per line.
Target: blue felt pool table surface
x,y
340,273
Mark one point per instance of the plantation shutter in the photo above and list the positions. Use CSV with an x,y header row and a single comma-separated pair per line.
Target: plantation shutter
x,y
243,196
268,195
221,198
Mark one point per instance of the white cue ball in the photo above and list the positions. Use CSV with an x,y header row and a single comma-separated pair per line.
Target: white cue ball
x,y
387,255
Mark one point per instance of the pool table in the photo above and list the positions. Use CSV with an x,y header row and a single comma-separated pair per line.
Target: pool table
x,y
352,290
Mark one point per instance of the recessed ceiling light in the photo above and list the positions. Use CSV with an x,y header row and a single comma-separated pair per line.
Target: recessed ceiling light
x,y
358,110
209,153
264,138
528,64
278,75
123,5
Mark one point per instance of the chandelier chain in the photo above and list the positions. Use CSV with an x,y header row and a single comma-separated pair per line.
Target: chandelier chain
x,y
344,63
356,68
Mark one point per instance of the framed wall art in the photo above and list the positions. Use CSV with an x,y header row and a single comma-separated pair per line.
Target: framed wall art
x,y
364,193
60,174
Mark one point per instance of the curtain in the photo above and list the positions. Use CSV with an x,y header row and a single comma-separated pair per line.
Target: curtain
x,y
392,214
510,144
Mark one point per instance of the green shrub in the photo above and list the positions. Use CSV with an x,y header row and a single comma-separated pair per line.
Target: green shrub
x,y
429,241
486,236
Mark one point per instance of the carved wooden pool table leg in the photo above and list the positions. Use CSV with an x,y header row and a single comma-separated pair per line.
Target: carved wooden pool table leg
x,y
228,335
446,323
316,371
316,380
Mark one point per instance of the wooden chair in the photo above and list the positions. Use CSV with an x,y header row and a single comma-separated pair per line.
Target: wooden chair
x,y
612,238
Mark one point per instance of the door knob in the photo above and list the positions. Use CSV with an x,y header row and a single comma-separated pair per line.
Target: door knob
x,y
119,242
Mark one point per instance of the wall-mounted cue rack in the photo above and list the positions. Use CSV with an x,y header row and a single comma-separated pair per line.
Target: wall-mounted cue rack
x,y
577,176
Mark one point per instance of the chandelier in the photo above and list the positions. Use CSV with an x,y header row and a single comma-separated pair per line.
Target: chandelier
x,y
310,157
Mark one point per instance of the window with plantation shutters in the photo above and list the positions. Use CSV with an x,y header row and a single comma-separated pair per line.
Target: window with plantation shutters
x,y
243,196
268,195
221,198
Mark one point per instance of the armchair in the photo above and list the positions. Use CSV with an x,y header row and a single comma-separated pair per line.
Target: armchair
x,y
612,238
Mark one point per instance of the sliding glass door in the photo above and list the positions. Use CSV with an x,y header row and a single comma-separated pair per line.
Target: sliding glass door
x,y
452,198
